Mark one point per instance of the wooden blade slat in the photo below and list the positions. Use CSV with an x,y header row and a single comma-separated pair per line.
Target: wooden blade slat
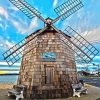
x,y
27,9
15,53
68,8
83,44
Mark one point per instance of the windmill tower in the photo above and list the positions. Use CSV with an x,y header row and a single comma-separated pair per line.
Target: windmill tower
x,y
48,62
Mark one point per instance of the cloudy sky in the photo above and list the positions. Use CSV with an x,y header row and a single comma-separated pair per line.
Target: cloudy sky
x,y
14,25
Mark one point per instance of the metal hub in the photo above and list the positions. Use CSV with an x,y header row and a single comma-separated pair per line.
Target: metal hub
x,y
48,21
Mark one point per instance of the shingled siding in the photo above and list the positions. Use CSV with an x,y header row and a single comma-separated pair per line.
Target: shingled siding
x,y
48,78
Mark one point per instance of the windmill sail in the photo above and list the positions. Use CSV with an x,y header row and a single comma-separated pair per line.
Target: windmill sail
x,y
68,8
79,53
89,50
15,53
79,45
27,9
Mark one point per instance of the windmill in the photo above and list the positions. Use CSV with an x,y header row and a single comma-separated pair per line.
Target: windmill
x,y
76,42
81,47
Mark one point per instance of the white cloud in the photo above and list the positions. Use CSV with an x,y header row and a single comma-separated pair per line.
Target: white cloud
x,y
4,12
9,44
97,57
13,8
21,25
24,30
5,63
1,45
1,25
5,44
4,25
93,35
55,3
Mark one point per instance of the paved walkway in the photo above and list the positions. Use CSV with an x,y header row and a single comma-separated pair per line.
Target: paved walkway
x,y
93,94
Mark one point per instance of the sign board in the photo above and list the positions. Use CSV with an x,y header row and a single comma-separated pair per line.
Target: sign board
x,y
49,56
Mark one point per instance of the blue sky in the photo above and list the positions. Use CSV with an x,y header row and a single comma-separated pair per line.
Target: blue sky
x,y
14,25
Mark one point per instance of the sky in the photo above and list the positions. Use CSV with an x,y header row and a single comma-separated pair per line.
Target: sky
x,y
14,25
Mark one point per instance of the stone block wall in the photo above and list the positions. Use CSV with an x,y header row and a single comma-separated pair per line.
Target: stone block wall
x,y
33,67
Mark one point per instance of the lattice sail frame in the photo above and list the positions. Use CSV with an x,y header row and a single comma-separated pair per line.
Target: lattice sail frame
x,y
89,50
15,56
15,53
26,11
68,8
75,47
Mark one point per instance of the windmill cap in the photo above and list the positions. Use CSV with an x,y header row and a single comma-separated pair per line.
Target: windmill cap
x,y
45,31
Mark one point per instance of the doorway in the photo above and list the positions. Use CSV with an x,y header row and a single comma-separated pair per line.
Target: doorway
x,y
49,74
